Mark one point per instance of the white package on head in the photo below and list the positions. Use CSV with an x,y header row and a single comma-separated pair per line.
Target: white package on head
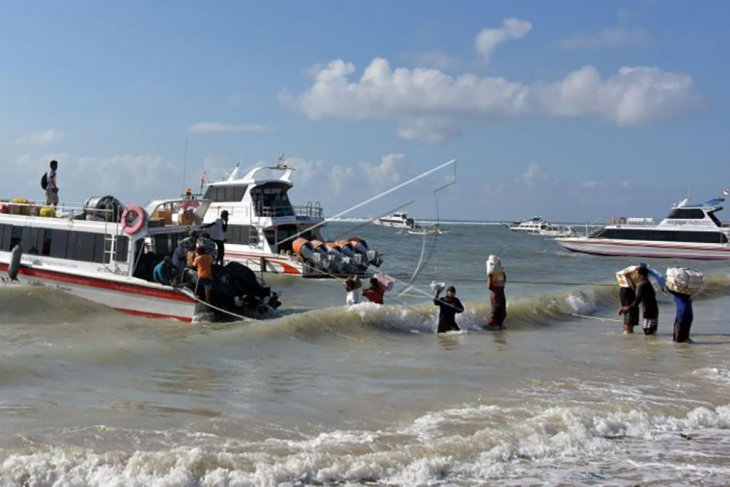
x,y
685,281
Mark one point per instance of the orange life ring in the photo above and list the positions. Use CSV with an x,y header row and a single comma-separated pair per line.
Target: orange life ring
x,y
133,219
189,204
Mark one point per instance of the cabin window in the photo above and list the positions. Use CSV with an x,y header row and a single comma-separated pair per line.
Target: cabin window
x,y
241,234
32,240
59,243
687,214
662,235
47,234
122,251
85,246
166,244
225,194
5,233
16,234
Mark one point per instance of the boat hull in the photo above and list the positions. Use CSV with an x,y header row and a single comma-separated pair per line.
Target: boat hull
x,y
267,262
121,294
677,250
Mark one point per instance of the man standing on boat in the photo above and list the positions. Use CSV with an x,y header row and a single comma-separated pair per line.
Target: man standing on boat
x,y
645,296
51,185
218,234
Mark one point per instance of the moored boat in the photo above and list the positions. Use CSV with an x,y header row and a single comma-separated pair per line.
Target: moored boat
x,y
104,252
269,234
396,220
690,231
533,225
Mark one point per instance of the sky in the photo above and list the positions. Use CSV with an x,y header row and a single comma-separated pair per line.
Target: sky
x,y
572,110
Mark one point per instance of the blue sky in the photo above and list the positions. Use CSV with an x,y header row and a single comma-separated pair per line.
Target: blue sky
x,y
573,110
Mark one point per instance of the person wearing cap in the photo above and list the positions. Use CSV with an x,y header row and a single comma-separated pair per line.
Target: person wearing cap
x,y
449,305
218,229
203,264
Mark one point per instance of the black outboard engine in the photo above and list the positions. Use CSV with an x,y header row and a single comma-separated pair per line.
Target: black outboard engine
x,y
103,208
238,289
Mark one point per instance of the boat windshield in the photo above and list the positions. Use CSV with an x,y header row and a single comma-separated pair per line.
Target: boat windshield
x,y
687,214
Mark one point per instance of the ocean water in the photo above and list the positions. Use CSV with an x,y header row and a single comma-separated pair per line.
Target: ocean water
x,y
323,394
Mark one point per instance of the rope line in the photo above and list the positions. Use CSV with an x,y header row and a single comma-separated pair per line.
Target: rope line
x,y
195,298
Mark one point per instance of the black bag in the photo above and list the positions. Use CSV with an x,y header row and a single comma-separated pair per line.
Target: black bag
x,y
44,180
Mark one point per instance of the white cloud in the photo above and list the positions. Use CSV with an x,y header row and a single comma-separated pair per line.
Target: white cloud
x,y
636,95
126,173
488,39
534,175
217,128
43,138
341,179
607,38
428,130
431,106
306,171
385,174
436,59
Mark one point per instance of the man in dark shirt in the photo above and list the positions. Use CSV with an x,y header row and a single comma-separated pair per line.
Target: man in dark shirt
x,y
448,307
645,296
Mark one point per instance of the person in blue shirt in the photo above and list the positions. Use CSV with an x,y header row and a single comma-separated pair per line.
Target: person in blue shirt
x,y
683,318
164,271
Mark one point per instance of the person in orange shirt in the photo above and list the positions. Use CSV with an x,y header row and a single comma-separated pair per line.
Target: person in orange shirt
x,y
203,264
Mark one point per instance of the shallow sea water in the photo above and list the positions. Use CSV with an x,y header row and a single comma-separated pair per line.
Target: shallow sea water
x,y
369,395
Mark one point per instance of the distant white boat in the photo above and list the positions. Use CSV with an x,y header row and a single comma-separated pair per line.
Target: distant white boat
x,y
426,230
396,220
537,226
688,232
557,231
533,225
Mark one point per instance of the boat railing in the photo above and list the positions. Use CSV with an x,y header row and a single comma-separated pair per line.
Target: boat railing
x,y
73,211
311,211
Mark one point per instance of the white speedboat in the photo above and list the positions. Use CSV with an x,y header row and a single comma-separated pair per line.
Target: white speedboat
x,y
396,220
268,234
534,225
557,231
105,252
425,230
689,232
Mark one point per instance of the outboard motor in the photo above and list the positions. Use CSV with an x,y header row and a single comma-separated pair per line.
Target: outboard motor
x,y
14,266
361,246
103,208
375,258
236,286
346,248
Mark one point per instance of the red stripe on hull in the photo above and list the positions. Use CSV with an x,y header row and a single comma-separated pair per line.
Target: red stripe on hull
x,y
153,315
99,283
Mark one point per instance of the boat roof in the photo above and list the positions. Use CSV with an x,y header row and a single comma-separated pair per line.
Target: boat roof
x,y
259,175
715,204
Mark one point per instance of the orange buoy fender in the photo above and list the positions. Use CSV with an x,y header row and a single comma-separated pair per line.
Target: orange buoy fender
x,y
134,219
360,245
302,248
346,248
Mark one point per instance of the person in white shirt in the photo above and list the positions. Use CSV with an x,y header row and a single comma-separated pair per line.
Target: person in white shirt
x,y
218,234
52,186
